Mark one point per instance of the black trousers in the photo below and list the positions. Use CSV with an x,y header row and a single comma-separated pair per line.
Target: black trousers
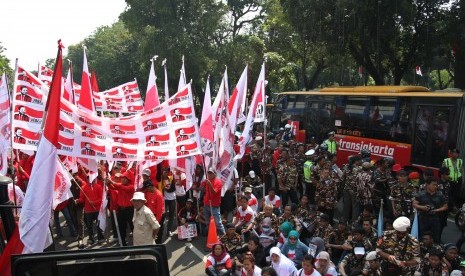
x,y
89,218
124,219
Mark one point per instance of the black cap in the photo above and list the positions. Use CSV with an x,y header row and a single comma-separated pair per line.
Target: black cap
x,y
147,183
230,225
455,150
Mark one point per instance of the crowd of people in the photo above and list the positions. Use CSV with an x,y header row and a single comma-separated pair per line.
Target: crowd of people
x,y
278,215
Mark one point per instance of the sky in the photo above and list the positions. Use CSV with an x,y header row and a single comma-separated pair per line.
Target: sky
x,y
30,29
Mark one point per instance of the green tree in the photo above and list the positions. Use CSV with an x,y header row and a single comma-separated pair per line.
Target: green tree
x,y
389,38
110,53
4,63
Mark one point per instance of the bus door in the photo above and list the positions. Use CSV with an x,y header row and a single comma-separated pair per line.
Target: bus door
x,y
431,133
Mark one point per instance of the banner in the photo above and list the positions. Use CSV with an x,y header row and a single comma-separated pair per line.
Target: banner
x,y
166,132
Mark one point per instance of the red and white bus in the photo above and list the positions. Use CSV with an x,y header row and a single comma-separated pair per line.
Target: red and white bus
x,y
409,123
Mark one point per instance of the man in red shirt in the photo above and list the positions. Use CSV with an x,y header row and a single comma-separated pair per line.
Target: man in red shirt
x,y
125,208
154,201
91,197
212,200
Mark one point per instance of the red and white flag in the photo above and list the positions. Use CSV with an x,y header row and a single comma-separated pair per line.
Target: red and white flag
x,y
62,187
418,71
35,214
256,111
236,104
94,82
86,102
5,124
102,213
45,74
151,97
85,97
225,164
206,128
68,92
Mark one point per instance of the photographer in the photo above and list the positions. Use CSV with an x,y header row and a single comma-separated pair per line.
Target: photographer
x,y
431,204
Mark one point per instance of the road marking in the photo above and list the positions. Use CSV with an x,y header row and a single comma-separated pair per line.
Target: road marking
x,y
196,252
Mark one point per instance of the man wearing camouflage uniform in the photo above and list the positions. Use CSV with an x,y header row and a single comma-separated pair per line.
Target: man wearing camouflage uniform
x,y
402,194
326,192
350,171
287,181
399,250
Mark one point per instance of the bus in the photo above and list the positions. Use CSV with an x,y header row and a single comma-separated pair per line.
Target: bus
x,y
411,124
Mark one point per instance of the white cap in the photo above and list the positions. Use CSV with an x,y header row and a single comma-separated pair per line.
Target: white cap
x,y
287,126
138,196
252,174
401,224
310,152
359,251
146,172
371,256
248,190
456,273
258,138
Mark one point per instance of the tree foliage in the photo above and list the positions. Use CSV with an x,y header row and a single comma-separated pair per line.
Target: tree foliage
x,y
308,43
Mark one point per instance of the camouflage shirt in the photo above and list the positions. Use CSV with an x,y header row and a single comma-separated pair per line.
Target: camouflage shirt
x,y
349,178
402,196
390,244
232,243
365,185
288,176
326,193
324,232
351,263
424,251
299,162
425,268
266,164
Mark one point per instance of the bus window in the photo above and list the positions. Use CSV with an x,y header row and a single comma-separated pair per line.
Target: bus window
x,y
352,116
388,119
319,119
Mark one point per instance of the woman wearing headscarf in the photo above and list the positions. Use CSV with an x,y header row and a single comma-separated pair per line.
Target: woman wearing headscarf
x,y
324,265
219,262
294,249
281,263
284,229
315,246
268,234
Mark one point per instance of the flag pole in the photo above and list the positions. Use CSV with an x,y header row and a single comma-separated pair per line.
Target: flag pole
x,y
264,123
11,130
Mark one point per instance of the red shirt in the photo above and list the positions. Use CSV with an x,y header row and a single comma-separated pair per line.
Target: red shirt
x,y
213,195
155,202
125,193
92,198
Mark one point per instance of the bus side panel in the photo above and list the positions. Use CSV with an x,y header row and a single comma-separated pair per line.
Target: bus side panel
x,y
351,145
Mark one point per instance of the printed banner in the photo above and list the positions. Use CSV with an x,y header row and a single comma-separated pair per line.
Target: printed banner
x,y
166,132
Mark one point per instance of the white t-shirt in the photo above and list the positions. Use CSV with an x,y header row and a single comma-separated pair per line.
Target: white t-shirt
x,y
302,273
180,190
168,195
